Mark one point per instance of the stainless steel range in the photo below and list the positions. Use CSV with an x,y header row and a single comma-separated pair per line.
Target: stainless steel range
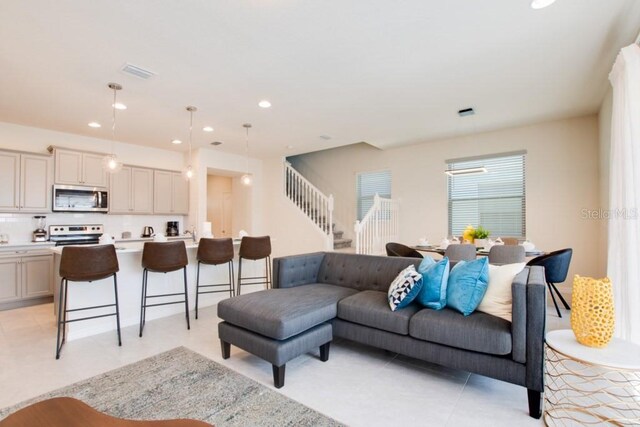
x,y
75,234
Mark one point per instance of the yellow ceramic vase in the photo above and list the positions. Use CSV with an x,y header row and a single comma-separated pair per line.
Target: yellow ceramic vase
x,y
592,311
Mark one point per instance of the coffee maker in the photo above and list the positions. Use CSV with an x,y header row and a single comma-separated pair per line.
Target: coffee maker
x,y
40,233
172,228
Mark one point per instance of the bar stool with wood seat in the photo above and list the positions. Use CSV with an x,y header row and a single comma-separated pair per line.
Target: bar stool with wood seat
x,y
85,264
255,248
215,252
163,257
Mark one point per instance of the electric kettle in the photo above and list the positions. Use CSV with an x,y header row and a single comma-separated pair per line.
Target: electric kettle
x,y
147,232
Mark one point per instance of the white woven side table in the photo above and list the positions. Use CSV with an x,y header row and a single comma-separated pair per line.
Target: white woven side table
x,y
589,386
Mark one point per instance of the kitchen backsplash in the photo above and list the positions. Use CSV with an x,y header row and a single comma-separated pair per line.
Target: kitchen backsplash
x,y
20,226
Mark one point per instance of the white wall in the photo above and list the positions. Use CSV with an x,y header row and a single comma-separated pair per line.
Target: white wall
x,y
604,121
561,177
291,230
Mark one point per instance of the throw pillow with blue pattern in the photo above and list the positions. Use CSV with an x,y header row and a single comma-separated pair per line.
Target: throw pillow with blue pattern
x,y
404,288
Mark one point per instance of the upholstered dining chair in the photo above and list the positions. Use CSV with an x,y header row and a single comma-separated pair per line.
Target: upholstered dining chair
x,y
398,249
460,252
556,268
506,254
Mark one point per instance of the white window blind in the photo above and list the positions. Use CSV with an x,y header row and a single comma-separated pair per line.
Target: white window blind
x,y
495,199
367,185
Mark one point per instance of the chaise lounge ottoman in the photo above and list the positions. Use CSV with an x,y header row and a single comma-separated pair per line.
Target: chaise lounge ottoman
x,y
278,325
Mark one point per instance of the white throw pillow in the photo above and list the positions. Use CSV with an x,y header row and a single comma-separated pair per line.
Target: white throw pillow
x,y
497,300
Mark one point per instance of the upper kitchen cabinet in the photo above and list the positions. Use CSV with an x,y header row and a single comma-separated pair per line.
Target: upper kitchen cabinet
x,y
131,191
78,168
26,182
171,193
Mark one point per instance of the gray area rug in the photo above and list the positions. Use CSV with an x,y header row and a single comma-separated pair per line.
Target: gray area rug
x,y
180,383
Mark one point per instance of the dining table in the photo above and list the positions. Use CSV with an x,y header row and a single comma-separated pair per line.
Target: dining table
x,y
479,251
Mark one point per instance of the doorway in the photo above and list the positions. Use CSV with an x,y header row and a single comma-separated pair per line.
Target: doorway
x,y
220,205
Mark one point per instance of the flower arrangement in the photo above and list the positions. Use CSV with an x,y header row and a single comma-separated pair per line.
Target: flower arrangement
x,y
471,233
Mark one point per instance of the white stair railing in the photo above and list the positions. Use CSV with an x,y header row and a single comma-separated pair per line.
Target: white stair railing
x,y
378,227
311,201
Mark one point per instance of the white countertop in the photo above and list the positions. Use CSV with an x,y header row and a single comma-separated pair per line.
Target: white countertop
x,y
129,246
24,246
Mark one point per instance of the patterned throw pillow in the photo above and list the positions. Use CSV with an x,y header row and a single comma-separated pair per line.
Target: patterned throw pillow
x,y
404,288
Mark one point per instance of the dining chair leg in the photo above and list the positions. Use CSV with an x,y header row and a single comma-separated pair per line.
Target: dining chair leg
x,y
564,302
555,303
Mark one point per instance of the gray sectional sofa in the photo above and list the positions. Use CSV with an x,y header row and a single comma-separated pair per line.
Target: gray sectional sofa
x,y
323,295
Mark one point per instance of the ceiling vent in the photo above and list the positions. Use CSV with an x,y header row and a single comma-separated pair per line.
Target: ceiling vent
x,y
466,112
136,71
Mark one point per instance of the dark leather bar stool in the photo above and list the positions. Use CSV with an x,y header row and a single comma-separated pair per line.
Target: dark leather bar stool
x,y
163,257
255,248
215,252
85,264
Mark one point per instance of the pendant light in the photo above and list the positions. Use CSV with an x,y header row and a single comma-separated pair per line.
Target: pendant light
x,y
247,179
110,162
189,172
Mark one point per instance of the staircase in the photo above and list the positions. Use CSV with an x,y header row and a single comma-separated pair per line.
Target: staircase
x,y
339,242
315,205
378,227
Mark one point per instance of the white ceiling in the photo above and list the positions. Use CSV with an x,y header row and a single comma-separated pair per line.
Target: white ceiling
x,y
380,71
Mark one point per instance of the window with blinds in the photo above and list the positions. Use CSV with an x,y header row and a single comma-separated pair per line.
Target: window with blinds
x,y
367,185
495,199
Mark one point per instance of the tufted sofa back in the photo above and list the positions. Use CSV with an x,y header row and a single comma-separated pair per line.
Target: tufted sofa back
x,y
362,272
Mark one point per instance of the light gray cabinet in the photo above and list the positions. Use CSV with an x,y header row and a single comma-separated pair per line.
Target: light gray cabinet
x,y
131,191
78,168
25,276
26,182
171,193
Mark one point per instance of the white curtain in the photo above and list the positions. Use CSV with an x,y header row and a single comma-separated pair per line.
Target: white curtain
x,y
624,193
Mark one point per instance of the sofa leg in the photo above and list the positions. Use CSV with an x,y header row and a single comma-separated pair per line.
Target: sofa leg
x,y
535,403
226,349
324,351
278,376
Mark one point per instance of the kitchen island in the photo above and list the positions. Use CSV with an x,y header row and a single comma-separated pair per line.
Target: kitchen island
x,y
130,289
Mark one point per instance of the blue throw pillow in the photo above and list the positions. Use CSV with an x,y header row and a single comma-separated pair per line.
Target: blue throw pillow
x,y
404,288
468,282
434,283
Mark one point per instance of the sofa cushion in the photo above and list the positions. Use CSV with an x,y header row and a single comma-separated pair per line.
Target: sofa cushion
x,y
478,331
371,308
283,313
362,272
404,288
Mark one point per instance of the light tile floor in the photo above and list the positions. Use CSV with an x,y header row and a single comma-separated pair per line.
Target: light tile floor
x,y
359,385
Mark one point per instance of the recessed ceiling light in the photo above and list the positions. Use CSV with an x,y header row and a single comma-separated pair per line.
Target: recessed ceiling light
x,y
325,137
207,129
94,125
176,141
264,104
289,147
539,4
119,106
216,143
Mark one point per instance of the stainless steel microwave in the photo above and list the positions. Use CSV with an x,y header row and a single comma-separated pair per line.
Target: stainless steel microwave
x,y
76,198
